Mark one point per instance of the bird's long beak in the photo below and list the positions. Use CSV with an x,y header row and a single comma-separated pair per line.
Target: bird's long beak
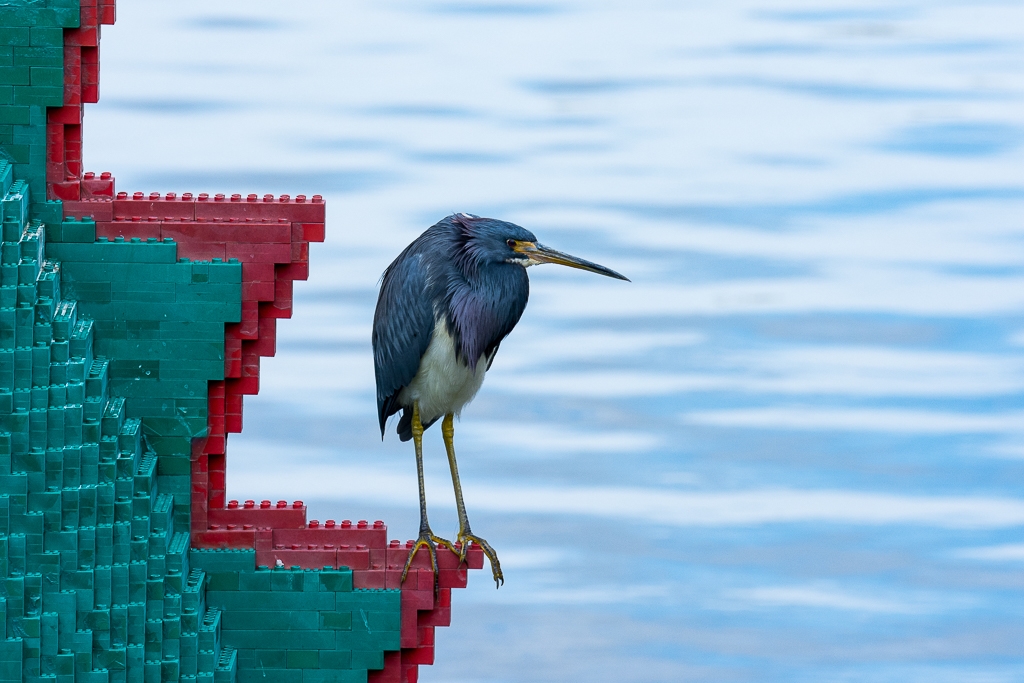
x,y
538,253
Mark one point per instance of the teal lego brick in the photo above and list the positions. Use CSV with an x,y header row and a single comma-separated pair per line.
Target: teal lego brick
x,y
38,95
183,352
262,675
17,115
232,600
44,55
6,97
285,620
336,621
254,639
46,36
210,560
78,230
336,580
16,75
103,251
36,16
15,34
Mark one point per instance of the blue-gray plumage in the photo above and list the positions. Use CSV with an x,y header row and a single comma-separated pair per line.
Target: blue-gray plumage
x,y
445,305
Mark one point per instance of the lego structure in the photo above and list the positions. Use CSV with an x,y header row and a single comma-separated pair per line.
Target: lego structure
x,y
131,328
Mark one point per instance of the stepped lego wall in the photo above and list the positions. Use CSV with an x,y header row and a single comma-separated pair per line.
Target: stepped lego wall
x,y
131,328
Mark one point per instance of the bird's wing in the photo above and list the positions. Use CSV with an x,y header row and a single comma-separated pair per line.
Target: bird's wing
x,y
403,325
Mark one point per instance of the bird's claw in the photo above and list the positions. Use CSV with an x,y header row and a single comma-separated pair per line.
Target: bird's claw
x,y
467,537
428,540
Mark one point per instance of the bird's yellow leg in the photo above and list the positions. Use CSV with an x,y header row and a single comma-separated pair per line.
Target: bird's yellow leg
x,y
466,535
427,538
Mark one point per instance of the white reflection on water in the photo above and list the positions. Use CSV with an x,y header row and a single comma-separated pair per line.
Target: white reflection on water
x,y
759,461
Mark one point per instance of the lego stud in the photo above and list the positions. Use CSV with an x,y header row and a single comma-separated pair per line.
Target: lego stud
x,y
232,527
122,195
154,196
379,524
410,544
232,504
204,197
137,195
236,197
317,199
346,524
300,198
186,197
395,543
171,195
298,505
268,197
330,524
264,504
313,524
362,524
250,198
282,503
285,198
89,175
105,175
249,504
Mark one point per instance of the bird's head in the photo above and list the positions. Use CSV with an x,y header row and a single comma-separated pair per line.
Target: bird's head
x,y
488,240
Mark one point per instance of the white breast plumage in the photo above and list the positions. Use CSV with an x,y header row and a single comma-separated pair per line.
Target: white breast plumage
x,y
442,384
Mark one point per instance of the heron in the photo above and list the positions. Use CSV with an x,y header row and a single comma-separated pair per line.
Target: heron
x,y
445,305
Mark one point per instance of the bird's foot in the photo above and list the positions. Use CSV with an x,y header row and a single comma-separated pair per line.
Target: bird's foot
x,y
428,540
466,537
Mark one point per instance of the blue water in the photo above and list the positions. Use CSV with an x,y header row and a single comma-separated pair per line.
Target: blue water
x,y
792,449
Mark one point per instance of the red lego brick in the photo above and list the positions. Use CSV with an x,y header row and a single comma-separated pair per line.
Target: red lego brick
x,y
290,518
93,187
420,655
308,232
272,253
166,206
293,271
98,209
64,190
353,558
71,114
371,538
258,291
85,36
392,671
267,207
224,538
370,578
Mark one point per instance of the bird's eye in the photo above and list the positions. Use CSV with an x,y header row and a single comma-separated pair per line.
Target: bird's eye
x,y
511,244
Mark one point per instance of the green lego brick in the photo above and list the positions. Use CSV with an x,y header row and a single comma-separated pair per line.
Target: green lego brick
x,y
336,621
230,600
43,36
285,620
262,675
38,95
254,639
223,560
113,252
14,34
303,659
46,55
16,75
82,230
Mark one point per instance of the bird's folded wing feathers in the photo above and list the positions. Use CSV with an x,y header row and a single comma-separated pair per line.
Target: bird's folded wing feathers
x,y
403,325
